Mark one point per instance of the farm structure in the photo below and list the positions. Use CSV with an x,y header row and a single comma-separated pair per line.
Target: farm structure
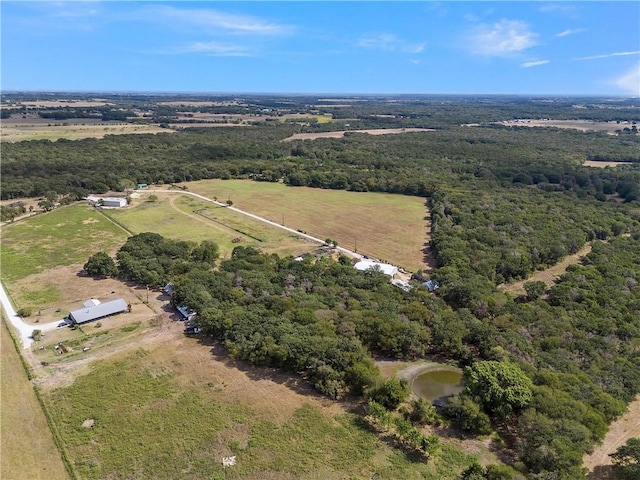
x,y
385,268
92,311
185,313
108,202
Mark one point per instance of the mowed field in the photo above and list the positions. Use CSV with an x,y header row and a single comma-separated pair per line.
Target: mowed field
x,y
27,447
392,228
186,217
63,236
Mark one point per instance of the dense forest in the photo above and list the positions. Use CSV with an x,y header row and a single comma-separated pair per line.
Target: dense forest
x,y
548,371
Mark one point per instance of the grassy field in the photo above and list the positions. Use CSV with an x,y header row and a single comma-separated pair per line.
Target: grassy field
x,y
28,449
189,218
63,236
174,411
389,227
22,132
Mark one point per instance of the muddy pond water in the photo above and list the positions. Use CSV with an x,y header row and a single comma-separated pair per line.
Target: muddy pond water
x,y
438,383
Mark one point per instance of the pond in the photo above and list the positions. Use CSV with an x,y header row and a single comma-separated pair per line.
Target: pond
x,y
437,384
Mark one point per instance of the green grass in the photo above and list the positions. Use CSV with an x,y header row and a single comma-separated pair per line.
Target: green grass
x,y
64,236
188,218
153,421
389,227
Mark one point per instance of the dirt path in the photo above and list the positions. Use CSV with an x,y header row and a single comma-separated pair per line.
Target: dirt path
x,y
628,426
548,276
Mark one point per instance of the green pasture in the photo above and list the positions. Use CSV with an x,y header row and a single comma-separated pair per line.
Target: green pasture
x,y
64,236
152,421
385,226
184,217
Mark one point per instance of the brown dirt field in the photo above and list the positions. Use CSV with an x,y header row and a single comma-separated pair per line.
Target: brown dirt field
x,y
548,276
340,134
591,163
628,426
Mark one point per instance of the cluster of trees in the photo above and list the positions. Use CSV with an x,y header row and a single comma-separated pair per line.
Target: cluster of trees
x,y
152,260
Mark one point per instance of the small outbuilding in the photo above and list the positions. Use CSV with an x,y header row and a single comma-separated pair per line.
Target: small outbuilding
x,y
89,313
114,202
385,268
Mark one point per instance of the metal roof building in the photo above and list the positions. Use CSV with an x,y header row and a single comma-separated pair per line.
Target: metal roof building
x,y
385,268
105,309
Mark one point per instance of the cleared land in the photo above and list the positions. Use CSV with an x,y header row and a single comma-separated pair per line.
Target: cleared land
x,y
27,446
592,163
340,134
19,132
175,408
189,218
64,236
584,125
548,276
626,427
392,228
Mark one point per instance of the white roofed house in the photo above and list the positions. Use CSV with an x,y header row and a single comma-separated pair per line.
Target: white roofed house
x,y
385,268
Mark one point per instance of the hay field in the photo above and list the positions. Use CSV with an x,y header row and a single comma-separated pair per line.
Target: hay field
x,y
20,132
27,445
384,226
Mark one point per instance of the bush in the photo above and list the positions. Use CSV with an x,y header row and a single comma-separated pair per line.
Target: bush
x,y
391,393
25,312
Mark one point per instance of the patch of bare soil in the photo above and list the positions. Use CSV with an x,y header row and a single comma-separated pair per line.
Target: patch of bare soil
x,y
340,134
626,427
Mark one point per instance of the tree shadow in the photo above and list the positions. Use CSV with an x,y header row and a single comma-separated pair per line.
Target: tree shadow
x,y
602,472
293,382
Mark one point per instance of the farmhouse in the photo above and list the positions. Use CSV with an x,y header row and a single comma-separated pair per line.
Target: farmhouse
x,y
92,311
385,268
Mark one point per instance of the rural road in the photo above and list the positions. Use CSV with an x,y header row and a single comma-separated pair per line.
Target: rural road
x,y
256,217
24,329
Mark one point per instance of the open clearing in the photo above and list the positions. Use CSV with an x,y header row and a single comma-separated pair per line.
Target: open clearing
x,y
593,163
626,427
64,236
392,228
27,445
584,125
548,276
340,134
52,130
176,407
188,218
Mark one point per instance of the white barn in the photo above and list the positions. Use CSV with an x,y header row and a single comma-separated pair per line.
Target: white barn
x,y
385,268
114,202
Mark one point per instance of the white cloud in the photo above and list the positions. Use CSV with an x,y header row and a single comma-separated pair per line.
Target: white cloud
x,y
534,63
214,19
389,43
504,38
608,55
216,49
630,81
569,31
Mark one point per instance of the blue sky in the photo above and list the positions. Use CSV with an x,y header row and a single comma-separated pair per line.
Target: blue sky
x,y
538,48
